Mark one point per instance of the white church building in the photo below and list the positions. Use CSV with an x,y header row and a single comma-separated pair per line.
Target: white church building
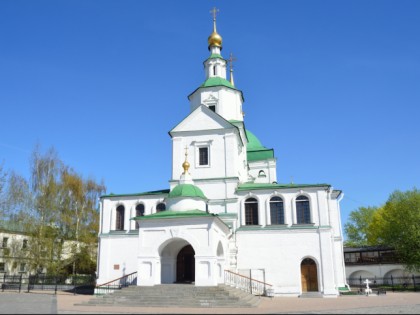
x,y
223,209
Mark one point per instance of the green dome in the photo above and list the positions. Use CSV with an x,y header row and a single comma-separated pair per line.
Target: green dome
x,y
253,142
186,190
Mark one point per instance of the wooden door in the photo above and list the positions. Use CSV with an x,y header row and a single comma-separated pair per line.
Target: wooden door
x,y
309,275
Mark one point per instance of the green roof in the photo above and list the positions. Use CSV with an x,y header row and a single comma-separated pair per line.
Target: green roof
x,y
254,186
216,81
170,214
155,192
253,142
186,190
212,56
260,155
255,150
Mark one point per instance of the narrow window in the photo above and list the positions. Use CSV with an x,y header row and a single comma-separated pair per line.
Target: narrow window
x,y
276,210
203,156
4,244
214,70
139,213
2,267
303,211
22,267
25,244
160,207
120,218
212,107
251,211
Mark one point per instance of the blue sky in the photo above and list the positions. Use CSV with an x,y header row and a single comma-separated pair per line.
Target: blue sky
x,y
332,86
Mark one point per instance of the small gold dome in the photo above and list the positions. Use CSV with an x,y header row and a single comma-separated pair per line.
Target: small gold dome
x,y
185,166
215,39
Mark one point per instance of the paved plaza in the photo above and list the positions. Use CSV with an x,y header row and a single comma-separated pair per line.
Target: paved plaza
x,y
67,303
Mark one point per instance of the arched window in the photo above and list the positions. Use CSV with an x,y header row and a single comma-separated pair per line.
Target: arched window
x,y
303,210
261,174
119,222
276,210
251,211
160,207
139,212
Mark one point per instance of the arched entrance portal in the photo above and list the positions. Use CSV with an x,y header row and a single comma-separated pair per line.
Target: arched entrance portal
x,y
309,275
185,265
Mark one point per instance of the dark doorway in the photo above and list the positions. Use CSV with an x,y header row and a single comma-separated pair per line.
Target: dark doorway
x,y
185,265
309,275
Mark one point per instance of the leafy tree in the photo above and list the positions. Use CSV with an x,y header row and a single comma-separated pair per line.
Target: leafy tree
x,y
358,226
59,210
397,225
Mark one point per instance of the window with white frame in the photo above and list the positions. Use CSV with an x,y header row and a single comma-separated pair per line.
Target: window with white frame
x,y
119,222
22,267
251,211
203,156
276,210
303,210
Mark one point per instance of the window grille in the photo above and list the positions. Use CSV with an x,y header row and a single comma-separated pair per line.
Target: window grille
x,y
276,210
120,218
203,156
303,210
251,211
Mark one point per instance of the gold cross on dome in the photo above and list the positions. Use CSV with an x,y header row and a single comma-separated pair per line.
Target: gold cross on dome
x,y
214,12
186,152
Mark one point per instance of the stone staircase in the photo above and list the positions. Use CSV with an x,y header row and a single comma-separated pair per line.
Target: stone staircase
x,y
176,295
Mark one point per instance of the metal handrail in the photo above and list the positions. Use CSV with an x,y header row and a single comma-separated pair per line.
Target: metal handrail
x,y
246,284
116,284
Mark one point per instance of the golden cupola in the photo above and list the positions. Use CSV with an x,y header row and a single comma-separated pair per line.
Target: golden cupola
x,y
215,39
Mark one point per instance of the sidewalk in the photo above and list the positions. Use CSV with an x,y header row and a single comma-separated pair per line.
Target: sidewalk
x,y
391,303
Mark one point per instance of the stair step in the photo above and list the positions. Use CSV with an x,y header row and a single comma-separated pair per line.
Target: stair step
x,y
176,295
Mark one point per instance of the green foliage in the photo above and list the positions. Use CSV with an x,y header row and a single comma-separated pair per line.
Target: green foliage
x,y
57,206
357,228
398,225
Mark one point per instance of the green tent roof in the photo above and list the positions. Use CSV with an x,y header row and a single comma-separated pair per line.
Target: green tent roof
x,y
255,150
186,190
216,81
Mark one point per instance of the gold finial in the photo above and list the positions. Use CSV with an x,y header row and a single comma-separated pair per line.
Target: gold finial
x,y
231,60
214,38
186,165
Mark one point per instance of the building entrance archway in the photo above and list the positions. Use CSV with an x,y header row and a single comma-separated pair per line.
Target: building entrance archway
x,y
185,265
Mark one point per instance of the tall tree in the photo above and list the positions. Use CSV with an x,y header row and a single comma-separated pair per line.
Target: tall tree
x,y
79,215
59,210
397,225
358,226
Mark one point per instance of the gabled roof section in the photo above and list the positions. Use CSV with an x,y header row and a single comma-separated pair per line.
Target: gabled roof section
x,y
202,118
